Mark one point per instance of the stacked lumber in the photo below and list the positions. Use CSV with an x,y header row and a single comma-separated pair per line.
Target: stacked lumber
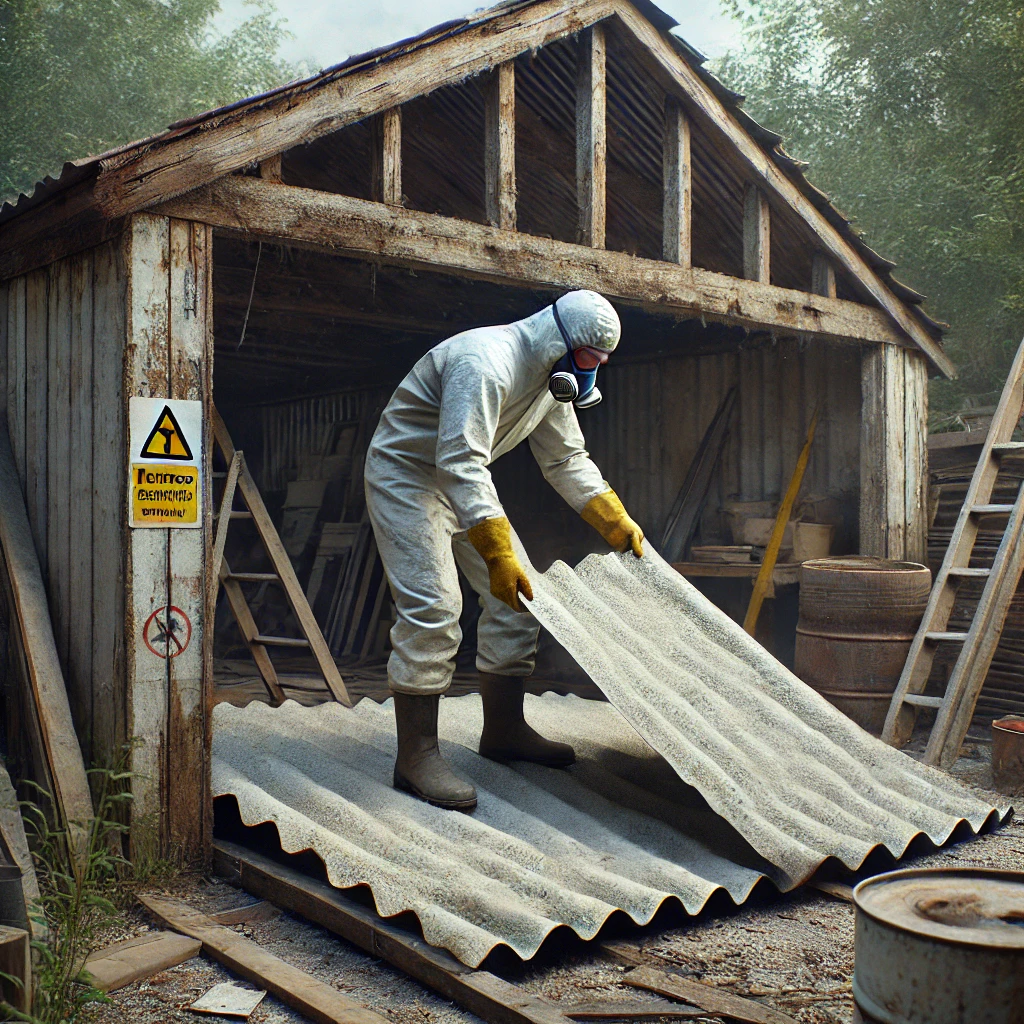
x,y
1003,692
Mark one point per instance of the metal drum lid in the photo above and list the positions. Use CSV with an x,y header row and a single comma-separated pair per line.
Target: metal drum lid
x,y
974,907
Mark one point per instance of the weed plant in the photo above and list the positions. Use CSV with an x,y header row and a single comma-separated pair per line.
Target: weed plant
x,y
77,869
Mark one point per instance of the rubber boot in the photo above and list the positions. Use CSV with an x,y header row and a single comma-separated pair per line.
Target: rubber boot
x,y
506,735
419,768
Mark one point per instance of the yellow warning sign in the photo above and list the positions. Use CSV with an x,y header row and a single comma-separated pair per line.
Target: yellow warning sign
x,y
164,495
166,440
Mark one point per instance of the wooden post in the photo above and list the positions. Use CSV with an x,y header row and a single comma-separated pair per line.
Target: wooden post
x,y
169,345
823,276
676,218
386,157
591,144
893,457
500,147
756,236
270,169
190,366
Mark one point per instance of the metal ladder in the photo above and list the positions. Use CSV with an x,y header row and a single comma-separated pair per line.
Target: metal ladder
x,y
238,481
978,645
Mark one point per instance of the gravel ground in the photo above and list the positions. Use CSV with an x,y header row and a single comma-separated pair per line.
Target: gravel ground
x,y
793,952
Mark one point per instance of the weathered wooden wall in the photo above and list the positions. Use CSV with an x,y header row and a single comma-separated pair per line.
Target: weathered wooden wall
x,y
169,355
894,454
62,345
78,339
646,432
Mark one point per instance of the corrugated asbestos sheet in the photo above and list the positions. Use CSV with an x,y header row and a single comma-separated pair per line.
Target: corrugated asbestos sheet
x,y
712,767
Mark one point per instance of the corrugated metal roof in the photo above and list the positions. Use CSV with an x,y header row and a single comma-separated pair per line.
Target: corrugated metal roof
x,y
712,768
77,171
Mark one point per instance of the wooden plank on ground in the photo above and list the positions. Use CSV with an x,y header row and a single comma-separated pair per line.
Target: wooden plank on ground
x,y
707,997
293,987
15,967
46,681
139,958
609,1010
491,998
405,237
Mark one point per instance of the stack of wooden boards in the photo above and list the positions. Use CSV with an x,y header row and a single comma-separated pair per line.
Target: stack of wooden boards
x,y
951,468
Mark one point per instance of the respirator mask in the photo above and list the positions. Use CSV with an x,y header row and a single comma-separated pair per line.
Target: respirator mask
x,y
569,383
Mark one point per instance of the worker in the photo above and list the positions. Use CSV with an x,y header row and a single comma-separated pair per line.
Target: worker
x,y
433,507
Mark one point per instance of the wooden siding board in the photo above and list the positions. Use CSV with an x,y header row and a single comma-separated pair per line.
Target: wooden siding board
x,y
189,369
895,453
6,297
108,501
79,609
771,376
58,455
916,457
35,408
16,353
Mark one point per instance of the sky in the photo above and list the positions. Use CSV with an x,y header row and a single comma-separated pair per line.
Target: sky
x,y
325,32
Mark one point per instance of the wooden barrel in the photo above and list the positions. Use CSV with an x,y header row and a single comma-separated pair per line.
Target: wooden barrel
x,y
858,617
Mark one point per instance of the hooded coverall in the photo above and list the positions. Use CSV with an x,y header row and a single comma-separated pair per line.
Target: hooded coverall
x,y
468,401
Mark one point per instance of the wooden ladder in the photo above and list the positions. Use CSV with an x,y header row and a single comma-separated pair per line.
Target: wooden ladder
x,y
239,481
978,645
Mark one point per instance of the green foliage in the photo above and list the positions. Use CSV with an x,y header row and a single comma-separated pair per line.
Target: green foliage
x,y
75,902
82,76
911,113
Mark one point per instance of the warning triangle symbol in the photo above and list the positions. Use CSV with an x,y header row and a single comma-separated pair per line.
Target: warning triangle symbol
x,y
166,440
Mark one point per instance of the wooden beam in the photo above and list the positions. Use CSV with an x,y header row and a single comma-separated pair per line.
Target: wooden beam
x,y
658,54
678,185
757,236
386,157
491,998
823,276
297,989
591,138
409,238
500,147
140,177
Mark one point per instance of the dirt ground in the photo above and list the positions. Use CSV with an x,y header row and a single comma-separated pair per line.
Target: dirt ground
x,y
793,952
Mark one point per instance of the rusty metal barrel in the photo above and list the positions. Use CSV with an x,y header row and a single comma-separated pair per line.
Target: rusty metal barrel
x,y
858,617
939,946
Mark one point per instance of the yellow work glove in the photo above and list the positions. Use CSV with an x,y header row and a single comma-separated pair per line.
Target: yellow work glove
x,y
606,515
493,540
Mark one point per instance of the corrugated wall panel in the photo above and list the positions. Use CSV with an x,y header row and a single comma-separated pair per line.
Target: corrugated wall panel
x,y
649,427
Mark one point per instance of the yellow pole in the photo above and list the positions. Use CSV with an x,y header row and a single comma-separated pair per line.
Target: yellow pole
x,y
771,554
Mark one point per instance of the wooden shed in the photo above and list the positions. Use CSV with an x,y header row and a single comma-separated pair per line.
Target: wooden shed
x,y
291,255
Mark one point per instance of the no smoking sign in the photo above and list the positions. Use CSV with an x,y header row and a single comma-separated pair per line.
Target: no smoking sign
x,y
167,632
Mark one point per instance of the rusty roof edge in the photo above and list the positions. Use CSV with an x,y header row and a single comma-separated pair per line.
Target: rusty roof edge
x,y
73,172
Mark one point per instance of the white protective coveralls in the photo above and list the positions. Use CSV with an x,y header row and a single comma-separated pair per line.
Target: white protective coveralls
x,y
468,401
